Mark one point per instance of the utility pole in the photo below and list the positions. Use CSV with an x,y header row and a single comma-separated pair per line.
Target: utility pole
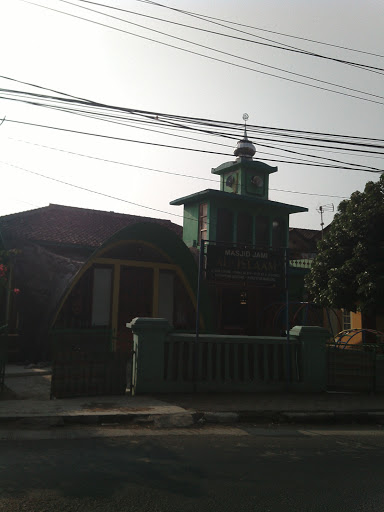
x,y
321,210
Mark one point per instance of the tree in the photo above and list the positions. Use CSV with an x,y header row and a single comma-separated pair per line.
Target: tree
x,y
348,271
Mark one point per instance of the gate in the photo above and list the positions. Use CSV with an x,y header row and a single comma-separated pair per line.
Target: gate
x,y
355,365
86,363
351,369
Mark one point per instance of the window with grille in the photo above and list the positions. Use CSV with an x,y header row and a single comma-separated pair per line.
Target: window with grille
x,y
224,230
347,324
203,221
262,230
244,229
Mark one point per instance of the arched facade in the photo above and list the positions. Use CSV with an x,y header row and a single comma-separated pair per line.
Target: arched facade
x,y
143,270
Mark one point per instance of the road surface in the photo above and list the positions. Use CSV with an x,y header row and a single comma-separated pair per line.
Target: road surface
x,y
238,469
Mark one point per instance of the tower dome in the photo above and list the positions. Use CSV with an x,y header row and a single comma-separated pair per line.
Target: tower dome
x,y
245,148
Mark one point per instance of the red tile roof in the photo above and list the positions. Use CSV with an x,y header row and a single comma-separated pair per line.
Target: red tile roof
x,y
307,234
304,240
70,226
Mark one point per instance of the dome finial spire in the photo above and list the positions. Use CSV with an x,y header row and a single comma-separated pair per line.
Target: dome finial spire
x,y
245,148
245,119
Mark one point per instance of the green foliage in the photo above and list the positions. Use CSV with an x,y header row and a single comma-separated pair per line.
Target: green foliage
x,y
348,271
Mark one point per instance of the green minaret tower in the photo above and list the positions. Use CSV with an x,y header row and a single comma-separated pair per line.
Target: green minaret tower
x,y
240,212
241,225
245,176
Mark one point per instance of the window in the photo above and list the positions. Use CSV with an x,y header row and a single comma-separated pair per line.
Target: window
x,y
224,230
203,222
76,312
135,295
244,229
347,323
166,295
101,296
262,230
278,234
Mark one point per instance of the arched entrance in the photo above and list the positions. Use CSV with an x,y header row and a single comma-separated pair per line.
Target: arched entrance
x,y
144,270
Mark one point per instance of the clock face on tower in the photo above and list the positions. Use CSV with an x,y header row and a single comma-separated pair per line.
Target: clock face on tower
x,y
257,180
255,183
231,181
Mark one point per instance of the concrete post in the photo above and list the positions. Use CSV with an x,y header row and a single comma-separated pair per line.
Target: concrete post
x,y
314,362
149,335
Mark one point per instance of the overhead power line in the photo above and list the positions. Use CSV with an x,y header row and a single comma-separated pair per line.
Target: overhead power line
x,y
110,137
43,88
126,116
298,161
161,117
270,146
210,57
196,124
123,139
92,157
303,140
275,44
236,24
172,173
108,196
88,189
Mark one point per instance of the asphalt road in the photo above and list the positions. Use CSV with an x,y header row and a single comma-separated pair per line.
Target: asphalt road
x,y
213,469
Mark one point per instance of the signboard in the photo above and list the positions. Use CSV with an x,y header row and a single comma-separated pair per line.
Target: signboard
x,y
263,267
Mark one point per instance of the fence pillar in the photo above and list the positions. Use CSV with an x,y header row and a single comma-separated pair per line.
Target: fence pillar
x,y
149,335
314,362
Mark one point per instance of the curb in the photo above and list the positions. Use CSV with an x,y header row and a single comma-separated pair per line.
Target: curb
x,y
176,420
220,417
330,417
28,373
197,419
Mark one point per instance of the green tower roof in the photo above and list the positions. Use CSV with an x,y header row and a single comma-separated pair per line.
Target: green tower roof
x,y
235,198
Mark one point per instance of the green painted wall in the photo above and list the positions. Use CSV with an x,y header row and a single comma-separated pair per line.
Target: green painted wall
x,y
154,374
270,212
242,171
191,216
191,224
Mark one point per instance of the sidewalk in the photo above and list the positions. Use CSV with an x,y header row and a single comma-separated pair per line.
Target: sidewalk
x,y
26,401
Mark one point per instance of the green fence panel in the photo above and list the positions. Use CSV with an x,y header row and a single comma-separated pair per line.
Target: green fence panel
x,y
351,369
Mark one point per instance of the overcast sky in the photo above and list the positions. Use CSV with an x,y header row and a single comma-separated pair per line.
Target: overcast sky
x,y
89,60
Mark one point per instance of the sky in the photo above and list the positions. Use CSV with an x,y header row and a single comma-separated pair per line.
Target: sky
x,y
143,70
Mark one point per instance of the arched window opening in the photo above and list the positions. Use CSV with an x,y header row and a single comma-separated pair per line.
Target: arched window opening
x,y
278,234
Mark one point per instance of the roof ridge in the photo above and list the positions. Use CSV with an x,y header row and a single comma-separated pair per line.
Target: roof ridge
x,y
71,225
104,212
24,212
306,229
63,206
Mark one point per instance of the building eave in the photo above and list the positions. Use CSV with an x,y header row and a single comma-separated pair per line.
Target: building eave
x,y
230,197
